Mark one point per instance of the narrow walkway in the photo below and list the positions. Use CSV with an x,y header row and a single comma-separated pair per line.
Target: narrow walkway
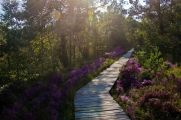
x,y
93,101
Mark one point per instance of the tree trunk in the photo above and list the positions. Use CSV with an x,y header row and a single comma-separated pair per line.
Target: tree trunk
x,y
64,57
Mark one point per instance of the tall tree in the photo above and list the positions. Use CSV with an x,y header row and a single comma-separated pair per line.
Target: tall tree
x,y
12,28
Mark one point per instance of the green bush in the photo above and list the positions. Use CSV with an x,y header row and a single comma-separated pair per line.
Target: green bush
x,y
176,71
141,114
151,60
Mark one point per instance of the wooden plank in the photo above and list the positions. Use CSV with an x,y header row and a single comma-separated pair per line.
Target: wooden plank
x,y
100,106
93,101
101,114
107,107
103,118
97,109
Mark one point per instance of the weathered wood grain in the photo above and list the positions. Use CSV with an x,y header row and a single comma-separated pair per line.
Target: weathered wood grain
x,y
93,101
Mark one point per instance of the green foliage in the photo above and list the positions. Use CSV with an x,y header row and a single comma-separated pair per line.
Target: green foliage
x,y
142,114
158,101
43,51
175,71
42,36
141,56
109,62
151,60
158,26
145,74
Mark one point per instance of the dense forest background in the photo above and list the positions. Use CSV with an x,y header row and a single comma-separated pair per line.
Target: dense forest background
x,y
39,37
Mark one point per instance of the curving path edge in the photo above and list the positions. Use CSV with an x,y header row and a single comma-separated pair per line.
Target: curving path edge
x,y
93,101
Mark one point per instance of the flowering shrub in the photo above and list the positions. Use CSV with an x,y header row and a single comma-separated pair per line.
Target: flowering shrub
x,y
130,78
146,83
76,74
119,87
153,97
50,96
124,98
149,93
130,111
160,105
47,99
29,106
129,75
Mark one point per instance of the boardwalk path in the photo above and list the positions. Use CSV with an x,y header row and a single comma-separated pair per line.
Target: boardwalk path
x,y
93,101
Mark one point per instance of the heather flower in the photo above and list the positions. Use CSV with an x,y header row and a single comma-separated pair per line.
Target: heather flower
x,y
129,76
73,73
37,101
33,91
131,61
118,82
76,73
130,112
171,109
155,103
119,89
135,83
160,95
85,69
50,95
146,83
55,79
133,66
124,98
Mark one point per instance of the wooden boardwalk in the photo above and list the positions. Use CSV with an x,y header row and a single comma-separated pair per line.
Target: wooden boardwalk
x,y
93,101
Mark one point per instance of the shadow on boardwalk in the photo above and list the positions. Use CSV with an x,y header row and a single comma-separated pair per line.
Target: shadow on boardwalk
x,y
93,101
